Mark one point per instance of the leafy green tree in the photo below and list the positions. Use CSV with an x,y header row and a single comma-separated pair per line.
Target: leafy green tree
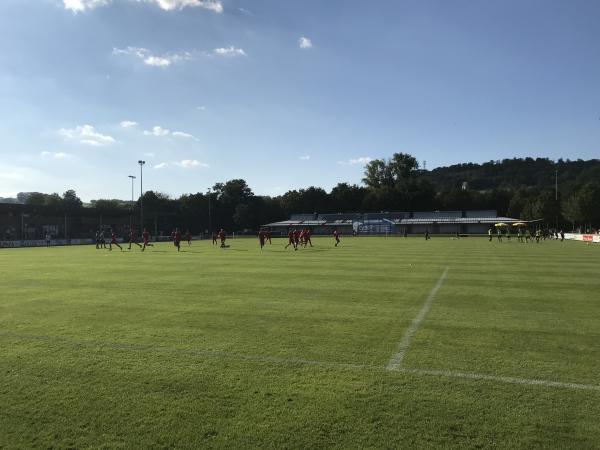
x,y
347,198
35,199
245,216
70,202
582,206
233,192
378,174
572,209
54,203
402,166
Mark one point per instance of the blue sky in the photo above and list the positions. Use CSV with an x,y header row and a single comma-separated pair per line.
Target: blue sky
x,y
286,94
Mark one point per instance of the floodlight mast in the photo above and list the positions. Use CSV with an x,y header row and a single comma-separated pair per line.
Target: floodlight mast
x,y
556,196
141,163
131,205
209,213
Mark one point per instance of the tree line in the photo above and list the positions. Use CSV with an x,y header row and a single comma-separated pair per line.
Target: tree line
x,y
521,188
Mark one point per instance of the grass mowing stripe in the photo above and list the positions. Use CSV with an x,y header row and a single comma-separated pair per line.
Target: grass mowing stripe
x,y
269,323
300,361
396,360
501,379
183,351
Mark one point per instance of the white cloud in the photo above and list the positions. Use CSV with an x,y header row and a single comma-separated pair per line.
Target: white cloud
x,y
183,135
305,42
229,51
201,108
55,155
304,158
167,5
128,124
157,131
355,161
157,61
189,163
86,134
153,60
170,5
81,5
184,164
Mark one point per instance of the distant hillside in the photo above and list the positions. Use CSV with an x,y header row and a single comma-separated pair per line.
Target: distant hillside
x,y
8,200
513,174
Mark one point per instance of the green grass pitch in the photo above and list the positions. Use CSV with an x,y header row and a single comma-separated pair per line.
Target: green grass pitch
x,y
239,348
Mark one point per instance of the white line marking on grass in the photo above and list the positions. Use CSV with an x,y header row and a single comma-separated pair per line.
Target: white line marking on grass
x,y
501,379
101,345
396,360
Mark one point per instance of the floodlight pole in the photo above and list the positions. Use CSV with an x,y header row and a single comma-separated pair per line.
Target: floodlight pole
x,y
209,213
556,194
131,206
141,163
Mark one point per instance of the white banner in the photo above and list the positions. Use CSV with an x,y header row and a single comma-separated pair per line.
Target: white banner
x,y
583,237
42,243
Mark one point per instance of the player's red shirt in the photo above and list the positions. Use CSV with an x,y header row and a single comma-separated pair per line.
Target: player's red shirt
x,y
222,235
188,236
335,233
296,235
262,235
177,236
113,237
146,236
132,236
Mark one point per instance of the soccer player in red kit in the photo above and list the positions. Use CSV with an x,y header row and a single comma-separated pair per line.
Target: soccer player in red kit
x,y
133,239
146,239
296,239
268,236
307,237
177,239
261,238
113,241
336,237
173,235
290,239
223,237
188,237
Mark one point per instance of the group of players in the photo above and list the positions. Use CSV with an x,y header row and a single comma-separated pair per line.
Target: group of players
x,y
525,235
302,238
132,239
296,239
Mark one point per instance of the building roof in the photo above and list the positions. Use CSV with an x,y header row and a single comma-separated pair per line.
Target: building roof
x,y
418,218
296,223
455,221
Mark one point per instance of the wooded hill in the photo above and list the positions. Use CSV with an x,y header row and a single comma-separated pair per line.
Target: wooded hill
x,y
514,174
519,188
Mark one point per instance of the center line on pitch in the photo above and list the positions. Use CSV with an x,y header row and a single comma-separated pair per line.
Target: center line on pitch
x,y
398,357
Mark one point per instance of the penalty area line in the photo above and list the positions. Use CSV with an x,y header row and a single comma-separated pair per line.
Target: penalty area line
x,y
500,379
396,360
291,361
